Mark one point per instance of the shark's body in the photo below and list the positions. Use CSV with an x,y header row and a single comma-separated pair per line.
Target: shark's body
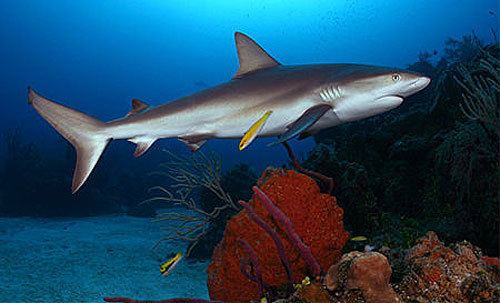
x,y
227,110
303,100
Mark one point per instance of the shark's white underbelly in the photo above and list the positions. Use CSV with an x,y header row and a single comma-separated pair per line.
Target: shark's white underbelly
x,y
231,122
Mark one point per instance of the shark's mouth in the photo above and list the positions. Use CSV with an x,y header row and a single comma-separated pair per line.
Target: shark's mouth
x,y
390,99
388,102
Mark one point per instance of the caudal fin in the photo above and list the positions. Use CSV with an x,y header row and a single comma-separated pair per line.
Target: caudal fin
x,y
85,133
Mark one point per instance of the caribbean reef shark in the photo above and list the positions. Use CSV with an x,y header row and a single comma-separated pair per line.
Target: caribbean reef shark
x,y
302,99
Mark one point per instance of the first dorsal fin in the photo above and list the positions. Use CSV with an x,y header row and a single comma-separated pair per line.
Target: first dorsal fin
x,y
137,107
252,56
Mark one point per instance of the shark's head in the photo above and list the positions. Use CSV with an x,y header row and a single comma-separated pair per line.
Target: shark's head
x,y
364,91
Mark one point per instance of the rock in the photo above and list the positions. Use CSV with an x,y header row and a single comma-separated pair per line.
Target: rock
x,y
364,276
371,273
316,217
333,279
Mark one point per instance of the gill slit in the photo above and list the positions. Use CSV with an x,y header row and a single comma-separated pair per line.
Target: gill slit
x,y
331,94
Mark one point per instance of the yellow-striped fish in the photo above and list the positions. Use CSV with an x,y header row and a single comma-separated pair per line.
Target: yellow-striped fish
x,y
169,265
254,130
359,238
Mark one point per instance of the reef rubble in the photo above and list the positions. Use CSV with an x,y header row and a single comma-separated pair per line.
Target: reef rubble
x,y
448,274
437,273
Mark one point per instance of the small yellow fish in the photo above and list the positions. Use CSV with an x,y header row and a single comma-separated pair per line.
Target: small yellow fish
x,y
169,265
359,238
254,130
306,281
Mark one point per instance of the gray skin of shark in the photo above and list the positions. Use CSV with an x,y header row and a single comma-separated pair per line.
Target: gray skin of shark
x,y
228,110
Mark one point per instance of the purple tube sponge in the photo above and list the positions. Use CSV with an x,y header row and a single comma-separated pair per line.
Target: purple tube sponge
x,y
292,235
274,235
254,262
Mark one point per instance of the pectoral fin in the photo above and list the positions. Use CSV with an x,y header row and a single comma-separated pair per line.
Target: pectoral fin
x,y
308,118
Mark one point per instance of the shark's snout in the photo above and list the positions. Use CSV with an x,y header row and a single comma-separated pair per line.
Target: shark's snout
x,y
421,82
416,85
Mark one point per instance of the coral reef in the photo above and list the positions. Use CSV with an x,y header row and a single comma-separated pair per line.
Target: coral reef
x,y
316,219
461,50
436,273
432,163
442,274
481,91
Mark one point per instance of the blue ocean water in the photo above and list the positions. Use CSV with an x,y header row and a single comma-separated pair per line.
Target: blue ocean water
x,y
96,56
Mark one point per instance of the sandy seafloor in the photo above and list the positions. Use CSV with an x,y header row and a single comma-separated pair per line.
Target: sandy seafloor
x,y
84,260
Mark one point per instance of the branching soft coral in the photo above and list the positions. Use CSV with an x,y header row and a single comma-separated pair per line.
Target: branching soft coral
x,y
189,175
481,91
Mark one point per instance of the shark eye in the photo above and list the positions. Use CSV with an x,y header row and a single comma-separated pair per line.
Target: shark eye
x,y
396,77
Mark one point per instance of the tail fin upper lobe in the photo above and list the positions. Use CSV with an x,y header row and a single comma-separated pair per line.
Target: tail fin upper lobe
x,y
85,133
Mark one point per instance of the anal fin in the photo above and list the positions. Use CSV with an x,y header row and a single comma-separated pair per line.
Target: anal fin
x,y
143,144
308,118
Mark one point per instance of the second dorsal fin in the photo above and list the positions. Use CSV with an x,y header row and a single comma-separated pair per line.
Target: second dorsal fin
x,y
252,56
137,107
